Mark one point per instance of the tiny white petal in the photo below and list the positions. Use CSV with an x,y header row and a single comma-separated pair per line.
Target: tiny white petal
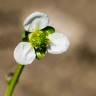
x,y
36,20
24,54
58,43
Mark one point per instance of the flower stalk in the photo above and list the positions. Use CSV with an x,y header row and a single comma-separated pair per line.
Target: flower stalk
x,y
14,81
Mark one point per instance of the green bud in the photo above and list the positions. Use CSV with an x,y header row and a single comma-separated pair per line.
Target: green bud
x,y
9,77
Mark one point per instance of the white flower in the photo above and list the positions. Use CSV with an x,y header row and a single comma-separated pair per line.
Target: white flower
x,y
54,43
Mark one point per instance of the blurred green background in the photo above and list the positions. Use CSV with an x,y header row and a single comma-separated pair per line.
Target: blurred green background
x,y
70,74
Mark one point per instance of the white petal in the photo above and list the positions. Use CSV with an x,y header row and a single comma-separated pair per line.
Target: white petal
x,y
59,43
36,20
24,54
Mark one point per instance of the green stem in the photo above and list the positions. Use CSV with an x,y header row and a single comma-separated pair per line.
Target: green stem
x,y
14,80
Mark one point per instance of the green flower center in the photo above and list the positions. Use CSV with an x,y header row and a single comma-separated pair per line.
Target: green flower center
x,y
39,41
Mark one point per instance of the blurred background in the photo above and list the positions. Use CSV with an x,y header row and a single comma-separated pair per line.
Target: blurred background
x,y
70,74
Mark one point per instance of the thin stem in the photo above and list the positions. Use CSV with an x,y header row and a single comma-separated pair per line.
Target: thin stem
x,y
14,80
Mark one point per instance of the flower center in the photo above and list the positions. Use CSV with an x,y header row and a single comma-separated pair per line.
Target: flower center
x,y
39,41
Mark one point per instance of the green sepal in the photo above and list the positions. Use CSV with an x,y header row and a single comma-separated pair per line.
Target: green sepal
x,y
40,55
25,36
49,30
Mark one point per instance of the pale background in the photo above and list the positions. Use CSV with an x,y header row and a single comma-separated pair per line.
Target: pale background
x,y
69,74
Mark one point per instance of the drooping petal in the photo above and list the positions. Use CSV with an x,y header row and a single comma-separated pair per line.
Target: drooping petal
x,y
24,54
36,20
58,43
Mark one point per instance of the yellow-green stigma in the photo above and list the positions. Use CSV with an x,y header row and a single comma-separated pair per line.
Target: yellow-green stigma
x,y
39,41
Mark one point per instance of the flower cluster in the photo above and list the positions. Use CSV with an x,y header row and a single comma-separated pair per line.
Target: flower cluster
x,y
38,39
